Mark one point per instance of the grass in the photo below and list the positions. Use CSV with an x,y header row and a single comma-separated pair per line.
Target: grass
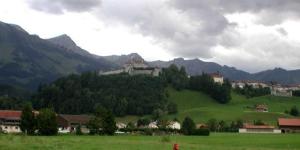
x,y
201,107
229,141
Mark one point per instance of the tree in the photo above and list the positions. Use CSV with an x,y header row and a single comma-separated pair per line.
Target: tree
x,y
188,126
172,108
78,130
294,111
212,124
28,120
109,124
46,122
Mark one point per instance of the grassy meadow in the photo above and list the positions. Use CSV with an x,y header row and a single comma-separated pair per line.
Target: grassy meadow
x,y
229,141
201,107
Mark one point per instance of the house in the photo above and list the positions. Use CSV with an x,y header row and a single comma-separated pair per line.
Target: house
x,y
261,108
121,125
153,125
10,121
278,90
242,83
289,125
248,128
217,77
68,123
201,126
135,67
174,125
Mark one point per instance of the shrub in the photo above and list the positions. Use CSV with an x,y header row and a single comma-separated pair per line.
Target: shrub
x,y
294,111
201,132
78,130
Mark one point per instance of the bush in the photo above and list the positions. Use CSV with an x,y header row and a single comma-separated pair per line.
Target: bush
x,y
294,111
78,130
201,132
188,126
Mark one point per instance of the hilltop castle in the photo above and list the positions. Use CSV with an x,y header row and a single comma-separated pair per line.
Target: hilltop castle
x,y
135,67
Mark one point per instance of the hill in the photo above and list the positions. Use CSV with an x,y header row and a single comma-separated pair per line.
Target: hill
x,y
202,108
27,60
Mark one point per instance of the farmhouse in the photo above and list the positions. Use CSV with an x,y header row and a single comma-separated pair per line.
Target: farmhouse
x,y
135,67
248,128
289,125
10,121
68,123
261,108
217,77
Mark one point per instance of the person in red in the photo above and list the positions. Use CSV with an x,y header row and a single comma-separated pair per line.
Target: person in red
x,y
176,147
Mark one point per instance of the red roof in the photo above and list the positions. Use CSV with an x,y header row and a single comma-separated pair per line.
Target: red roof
x,y
248,126
216,75
288,122
10,114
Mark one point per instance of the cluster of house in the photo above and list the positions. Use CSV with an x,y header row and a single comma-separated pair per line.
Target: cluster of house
x,y
10,122
135,67
285,125
276,89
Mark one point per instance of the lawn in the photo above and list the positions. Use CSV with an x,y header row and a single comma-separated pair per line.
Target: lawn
x,y
229,141
201,107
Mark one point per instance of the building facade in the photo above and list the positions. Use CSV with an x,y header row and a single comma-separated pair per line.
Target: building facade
x,y
68,123
10,121
289,125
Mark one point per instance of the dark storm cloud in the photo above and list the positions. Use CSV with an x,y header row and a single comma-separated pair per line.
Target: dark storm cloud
x,y
59,6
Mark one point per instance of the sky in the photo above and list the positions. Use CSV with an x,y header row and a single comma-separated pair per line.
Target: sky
x,y
252,35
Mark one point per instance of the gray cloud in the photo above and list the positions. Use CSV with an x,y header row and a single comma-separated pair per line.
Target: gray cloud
x,y
59,6
193,28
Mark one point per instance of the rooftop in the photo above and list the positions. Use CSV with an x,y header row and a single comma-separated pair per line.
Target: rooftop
x,y
288,122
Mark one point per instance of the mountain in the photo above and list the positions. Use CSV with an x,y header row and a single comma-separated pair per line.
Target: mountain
x,y
279,75
196,67
66,42
27,60
123,59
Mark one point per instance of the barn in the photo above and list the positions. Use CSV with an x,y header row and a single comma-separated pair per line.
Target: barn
x,y
289,125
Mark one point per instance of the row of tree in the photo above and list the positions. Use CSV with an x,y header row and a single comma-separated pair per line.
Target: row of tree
x,y
249,91
220,92
121,94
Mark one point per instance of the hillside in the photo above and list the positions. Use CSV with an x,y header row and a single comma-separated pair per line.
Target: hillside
x,y
202,108
27,60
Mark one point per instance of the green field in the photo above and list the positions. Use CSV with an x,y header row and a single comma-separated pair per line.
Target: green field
x,y
201,107
214,142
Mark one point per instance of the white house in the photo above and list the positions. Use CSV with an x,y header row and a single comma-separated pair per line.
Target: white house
x,y
217,77
174,125
153,125
10,121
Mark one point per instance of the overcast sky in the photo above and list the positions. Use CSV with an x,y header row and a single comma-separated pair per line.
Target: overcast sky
x,y
251,35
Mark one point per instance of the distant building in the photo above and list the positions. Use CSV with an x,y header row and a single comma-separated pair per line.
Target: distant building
x,y
68,123
121,125
153,125
289,125
278,90
135,67
217,77
10,121
174,125
242,83
247,128
261,108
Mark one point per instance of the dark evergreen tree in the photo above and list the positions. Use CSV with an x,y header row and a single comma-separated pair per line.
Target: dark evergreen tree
x,y
294,111
109,124
188,126
46,122
28,120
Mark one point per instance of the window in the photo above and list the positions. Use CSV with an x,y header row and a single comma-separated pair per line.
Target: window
x,y
5,127
16,128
